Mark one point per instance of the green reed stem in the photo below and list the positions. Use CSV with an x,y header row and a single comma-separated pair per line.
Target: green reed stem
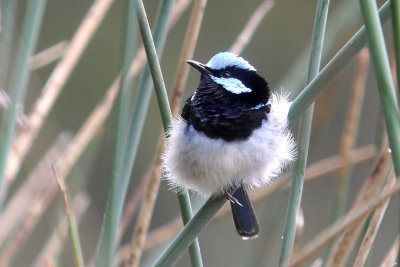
x,y
387,93
303,140
396,33
166,115
384,78
120,179
9,9
126,91
20,78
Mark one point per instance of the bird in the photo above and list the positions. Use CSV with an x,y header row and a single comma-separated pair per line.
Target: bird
x,y
231,136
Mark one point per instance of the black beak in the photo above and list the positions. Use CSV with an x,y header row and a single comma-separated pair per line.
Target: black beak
x,y
199,66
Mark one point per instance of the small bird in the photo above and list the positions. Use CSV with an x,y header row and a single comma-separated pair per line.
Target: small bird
x,y
232,135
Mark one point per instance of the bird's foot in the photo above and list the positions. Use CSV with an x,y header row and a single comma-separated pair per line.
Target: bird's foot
x,y
232,199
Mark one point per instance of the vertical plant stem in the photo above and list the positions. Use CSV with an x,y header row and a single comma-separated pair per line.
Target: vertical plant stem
x,y
189,45
137,66
396,32
120,181
384,78
20,78
154,66
126,89
166,115
296,188
73,228
146,210
304,136
8,10
131,73
385,83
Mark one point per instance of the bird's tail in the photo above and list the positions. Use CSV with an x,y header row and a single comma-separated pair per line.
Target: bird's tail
x,y
244,217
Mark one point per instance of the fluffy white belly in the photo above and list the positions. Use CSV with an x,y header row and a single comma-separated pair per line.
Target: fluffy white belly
x,y
197,162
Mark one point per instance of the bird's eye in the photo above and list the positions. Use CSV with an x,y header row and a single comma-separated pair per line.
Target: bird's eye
x,y
226,74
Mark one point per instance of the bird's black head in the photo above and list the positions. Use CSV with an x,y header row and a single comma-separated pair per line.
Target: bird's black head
x,y
233,77
231,99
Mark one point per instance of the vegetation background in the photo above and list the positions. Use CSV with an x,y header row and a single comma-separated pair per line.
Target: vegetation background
x,y
279,50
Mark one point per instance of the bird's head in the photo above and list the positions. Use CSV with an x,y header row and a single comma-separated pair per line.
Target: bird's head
x,y
233,78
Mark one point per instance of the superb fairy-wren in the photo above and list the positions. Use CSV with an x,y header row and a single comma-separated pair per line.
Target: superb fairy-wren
x,y
232,135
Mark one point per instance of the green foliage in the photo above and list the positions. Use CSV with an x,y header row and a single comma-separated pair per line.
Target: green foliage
x,y
15,73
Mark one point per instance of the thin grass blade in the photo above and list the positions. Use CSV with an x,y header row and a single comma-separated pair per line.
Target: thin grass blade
x,y
73,228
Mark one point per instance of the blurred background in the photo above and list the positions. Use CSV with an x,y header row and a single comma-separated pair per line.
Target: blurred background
x,y
279,50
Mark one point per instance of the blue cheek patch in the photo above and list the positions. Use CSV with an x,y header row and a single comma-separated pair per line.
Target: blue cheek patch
x,y
232,85
258,106
262,104
193,96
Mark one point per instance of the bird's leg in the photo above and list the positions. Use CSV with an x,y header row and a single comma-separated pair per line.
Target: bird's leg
x,y
232,199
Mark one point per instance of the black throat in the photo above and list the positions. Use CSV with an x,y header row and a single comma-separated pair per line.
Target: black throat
x,y
218,113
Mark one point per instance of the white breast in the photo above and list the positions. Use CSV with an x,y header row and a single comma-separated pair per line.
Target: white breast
x,y
194,161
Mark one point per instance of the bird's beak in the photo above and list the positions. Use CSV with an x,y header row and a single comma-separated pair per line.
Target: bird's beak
x,y
199,66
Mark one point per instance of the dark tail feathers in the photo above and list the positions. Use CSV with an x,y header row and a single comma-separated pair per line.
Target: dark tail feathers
x,y
244,217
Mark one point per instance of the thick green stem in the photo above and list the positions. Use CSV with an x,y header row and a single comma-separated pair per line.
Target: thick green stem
x,y
166,115
303,140
120,180
383,74
387,93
